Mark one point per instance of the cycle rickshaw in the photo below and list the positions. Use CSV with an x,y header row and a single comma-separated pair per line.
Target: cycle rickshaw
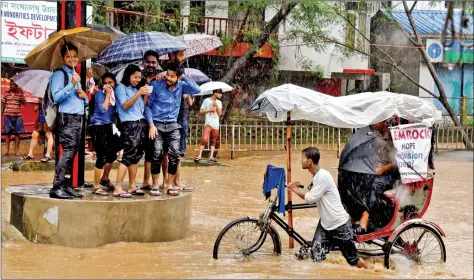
x,y
405,234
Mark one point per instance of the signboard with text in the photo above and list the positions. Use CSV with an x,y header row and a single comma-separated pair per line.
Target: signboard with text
x,y
25,24
413,144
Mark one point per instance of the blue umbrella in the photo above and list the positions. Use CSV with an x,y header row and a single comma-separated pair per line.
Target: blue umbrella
x,y
133,46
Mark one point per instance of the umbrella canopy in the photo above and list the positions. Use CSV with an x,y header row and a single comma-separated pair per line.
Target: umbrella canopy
x,y
34,81
107,29
114,33
47,55
198,44
353,111
195,74
209,87
99,69
120,70
133,47
358,154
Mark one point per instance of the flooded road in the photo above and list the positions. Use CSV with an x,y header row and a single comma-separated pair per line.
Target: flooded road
x,y
224,194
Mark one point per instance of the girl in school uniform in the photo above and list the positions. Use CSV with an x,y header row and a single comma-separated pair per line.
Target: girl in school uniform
x,y
130,107
102,136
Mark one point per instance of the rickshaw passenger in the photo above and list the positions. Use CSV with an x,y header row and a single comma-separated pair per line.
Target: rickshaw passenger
x,y
386,168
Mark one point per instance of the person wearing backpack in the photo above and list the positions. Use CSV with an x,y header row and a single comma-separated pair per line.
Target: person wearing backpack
x,y
71,100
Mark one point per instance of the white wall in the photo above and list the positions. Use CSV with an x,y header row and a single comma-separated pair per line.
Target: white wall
x,y
216,9
426,80
329,59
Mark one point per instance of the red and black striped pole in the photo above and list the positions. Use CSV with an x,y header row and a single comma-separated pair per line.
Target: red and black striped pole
x,y
72,14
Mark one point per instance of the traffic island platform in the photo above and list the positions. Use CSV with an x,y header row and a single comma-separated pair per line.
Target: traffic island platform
x,y
94,220
18,164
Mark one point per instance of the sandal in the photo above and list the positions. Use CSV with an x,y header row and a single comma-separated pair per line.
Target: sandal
x,y
100,191
122,195
184,188
107,184
46,159
155,192
137,191
146,188
27,157
212,160
197,159
172,192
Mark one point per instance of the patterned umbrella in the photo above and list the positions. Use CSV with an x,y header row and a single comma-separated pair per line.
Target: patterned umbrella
x,y
34,81
198,44
195,74
134,46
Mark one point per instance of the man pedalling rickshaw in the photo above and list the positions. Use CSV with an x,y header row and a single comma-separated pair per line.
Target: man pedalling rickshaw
x,y
401,234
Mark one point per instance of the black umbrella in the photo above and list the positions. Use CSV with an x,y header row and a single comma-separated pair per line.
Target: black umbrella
x,y
358,154
107,29
357,172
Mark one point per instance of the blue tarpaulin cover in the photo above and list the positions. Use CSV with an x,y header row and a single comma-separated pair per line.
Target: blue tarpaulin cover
x,y
275,177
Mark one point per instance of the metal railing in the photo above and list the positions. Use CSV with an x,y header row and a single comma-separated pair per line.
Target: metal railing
x,y
267,136
450,138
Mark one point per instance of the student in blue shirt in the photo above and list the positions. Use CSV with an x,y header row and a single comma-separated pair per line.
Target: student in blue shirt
x,y
130,107
161,114
102,136
72,100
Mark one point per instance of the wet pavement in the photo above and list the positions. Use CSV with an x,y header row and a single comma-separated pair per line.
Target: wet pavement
x,y
224,194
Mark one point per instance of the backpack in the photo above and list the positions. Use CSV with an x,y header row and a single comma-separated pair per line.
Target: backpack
x,y
50,108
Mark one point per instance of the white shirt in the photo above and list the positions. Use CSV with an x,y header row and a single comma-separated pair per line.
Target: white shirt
x,y
326,196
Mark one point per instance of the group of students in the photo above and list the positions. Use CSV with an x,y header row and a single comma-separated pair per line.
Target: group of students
x,y
152,111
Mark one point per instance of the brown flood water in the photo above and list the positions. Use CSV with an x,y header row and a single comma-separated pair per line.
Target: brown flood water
x,y
235,192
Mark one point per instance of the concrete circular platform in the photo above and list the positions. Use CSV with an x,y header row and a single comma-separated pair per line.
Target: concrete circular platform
x,y
95,220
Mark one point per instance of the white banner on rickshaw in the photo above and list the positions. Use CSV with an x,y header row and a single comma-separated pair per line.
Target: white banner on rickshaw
x,y
413,144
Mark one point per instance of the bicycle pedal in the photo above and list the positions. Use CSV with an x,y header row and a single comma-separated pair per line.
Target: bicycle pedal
x,y
303,253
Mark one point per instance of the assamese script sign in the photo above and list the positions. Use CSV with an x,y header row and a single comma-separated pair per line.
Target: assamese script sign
x,y
25,24
413,144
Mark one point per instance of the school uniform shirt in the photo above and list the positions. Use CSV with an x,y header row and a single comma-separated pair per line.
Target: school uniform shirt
x,y
163,104
101,116
326,196
67,98
123,94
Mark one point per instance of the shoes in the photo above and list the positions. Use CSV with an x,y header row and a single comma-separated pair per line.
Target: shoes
x,y
360,230
70,191
59,194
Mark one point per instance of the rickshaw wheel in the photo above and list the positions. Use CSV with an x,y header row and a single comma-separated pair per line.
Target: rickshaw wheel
x,y
242,239
420,244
